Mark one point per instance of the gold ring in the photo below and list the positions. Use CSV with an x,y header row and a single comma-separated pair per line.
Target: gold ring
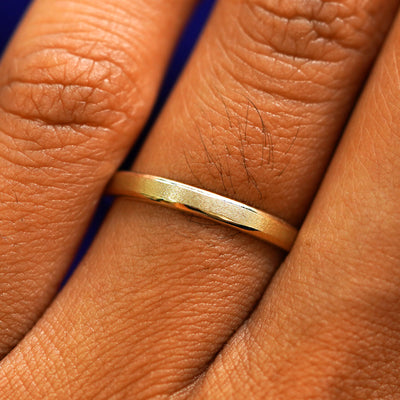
x,y
204,203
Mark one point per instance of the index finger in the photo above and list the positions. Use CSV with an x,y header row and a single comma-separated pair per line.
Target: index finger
x,y
76,86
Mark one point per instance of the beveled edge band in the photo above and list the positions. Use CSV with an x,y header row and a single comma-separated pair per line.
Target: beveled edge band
x,y
201,202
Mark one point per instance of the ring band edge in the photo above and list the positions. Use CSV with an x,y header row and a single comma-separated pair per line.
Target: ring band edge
x,y
154,189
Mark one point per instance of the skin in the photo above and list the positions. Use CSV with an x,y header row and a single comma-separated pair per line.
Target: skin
x,y
74,95
166,305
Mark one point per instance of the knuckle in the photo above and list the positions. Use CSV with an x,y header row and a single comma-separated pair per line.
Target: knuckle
x,y
60,82
302,29
301,44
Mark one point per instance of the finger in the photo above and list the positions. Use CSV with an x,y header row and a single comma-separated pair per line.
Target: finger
x,y
254,117
329,324
76,86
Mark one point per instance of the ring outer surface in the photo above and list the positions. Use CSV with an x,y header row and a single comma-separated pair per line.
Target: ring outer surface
x,y
203,203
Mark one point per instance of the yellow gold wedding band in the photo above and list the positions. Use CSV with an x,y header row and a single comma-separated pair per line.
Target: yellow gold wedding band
x,y
204,203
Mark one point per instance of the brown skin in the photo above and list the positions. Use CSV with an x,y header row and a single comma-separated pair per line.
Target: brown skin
x,y
164,304
76,86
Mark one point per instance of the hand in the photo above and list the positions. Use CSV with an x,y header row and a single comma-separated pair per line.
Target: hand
x,y
170,306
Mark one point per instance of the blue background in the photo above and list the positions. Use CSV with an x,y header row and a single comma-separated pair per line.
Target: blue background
x,y
11,12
